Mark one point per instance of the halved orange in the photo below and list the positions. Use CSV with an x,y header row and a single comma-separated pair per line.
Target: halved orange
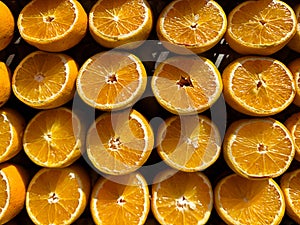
x,y
53,26
260,27
189,143
54,138
292,123
290,185
5,83
125,23
186,85
12,125
294,67
119,142
258,86
239,200
120,200
57,195
294,43
7,25
45,80
187,26
14,180
258,147
181,198
111,80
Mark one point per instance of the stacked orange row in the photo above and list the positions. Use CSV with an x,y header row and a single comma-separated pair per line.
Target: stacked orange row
x,y
120,140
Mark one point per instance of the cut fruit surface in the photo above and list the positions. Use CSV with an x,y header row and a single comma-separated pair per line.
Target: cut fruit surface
x,y
45,80
258,148
292,123
186,84
240,200
111,80
123,24
294,67
294,43
120,200
54,138
260,27
119,142
53,26
12,125
258,86
191,26
181,198
57,195
189,143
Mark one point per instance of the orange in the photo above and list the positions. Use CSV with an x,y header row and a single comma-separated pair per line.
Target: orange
x,y
120,200
111,80
53,26
294,67
290,185
53,138
188,143
125,23
294,43
14,179
260,27
7,26
181,198
12,125
119,143
186,85
45,80
292,123
238,200
5,83
57,195
187,26
258,86
258,147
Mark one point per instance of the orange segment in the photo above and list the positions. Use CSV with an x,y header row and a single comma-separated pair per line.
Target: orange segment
x,y
12,125
122,23
292,123
5,83
238,200
57,196
258,86
7,26
290,185
13,182
258,147
189,143
120,200
52,25
53,138
111,80
119,142
45,80
260,27
186,85
294,67
294,43
191,25
181,198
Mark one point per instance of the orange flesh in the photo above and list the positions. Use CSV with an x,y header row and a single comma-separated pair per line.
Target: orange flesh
x,y
262,23
251,201
119,17
110,79
193,22
261,148
262,84
40,77
47,19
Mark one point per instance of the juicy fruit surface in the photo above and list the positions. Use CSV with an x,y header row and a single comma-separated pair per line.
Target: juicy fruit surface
x,y
221,55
